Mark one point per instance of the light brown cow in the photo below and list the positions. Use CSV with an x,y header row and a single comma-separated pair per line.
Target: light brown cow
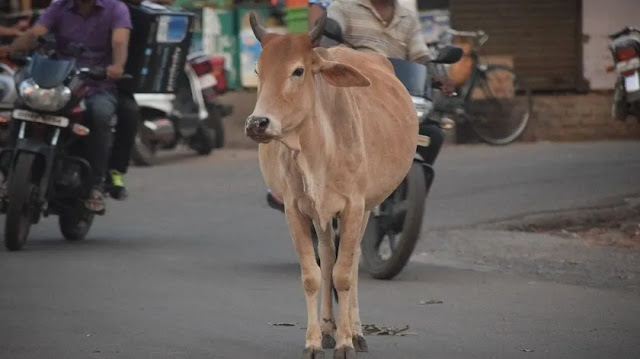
x,y
337,133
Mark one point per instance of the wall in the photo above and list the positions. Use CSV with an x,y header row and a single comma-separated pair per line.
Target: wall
x,y
599,19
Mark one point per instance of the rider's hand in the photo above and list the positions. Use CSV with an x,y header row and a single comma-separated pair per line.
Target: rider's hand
x,y
22,25
447,86
115,72
5,51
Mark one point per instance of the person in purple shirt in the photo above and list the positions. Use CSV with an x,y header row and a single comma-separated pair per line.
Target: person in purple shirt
x,y
103,27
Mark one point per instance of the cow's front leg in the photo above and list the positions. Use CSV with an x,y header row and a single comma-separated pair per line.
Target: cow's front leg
x,y
326,250
350,231
299,226
359,342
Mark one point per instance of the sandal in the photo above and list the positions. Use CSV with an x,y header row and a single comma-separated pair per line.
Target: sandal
x,y
95,203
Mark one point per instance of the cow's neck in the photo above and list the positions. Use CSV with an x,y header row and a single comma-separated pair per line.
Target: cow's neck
x,y
315,143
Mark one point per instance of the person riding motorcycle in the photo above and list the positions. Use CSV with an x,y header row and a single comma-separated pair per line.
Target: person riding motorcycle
x,y
103,27
388,28
129,117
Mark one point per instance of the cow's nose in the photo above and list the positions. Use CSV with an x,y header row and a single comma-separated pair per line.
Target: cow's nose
x,y
257,124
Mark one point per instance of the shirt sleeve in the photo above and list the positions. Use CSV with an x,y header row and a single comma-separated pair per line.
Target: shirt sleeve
x,y
49,17
417,47
121,18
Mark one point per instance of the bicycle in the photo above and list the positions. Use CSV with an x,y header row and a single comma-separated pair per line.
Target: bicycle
x,y
491,98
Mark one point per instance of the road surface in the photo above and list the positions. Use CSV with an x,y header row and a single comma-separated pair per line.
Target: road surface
x,y
194,265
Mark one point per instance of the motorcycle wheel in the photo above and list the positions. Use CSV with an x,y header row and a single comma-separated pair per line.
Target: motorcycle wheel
x,y
391,236
203,142
20,209
144,150
75,227
214,122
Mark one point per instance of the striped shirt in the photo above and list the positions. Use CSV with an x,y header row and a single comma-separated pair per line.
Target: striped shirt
x,y
364,29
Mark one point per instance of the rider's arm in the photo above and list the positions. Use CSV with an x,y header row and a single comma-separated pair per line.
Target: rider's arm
x,y
121,25
29,39
417,49
9,31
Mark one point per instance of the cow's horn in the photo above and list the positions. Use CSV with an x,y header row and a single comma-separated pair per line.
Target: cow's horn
x,y
258,30
316,33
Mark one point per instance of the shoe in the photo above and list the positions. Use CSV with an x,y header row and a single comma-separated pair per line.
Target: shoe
x,y
115,185
274,202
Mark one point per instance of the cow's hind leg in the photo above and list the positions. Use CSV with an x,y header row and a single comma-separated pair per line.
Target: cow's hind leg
x,y
359,343
326,251
350,234
299,226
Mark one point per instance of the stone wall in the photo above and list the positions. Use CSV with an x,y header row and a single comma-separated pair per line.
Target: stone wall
x,y
571,117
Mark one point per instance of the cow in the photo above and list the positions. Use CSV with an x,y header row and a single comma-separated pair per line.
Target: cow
x,y
337,132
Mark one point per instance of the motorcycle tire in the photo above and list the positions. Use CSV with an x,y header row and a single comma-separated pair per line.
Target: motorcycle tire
x,y
143,152
74,227
215,123
415,197
19,217
203,142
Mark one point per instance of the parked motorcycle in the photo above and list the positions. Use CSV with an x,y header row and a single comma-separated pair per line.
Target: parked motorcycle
x,y
625,48
394,226
46,174
191,115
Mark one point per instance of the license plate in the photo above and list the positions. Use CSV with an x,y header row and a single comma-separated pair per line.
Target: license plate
x,y
632,83
207,81
25,115
629,65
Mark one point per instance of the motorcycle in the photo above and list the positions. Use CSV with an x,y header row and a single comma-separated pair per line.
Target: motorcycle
x,y
394,226
625,48
8,96
45,172
191,115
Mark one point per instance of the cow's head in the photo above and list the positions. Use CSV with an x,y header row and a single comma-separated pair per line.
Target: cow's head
x,y
287,69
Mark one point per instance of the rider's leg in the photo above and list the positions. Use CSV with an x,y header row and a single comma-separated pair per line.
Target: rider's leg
x,y
436,135
124,139
101,107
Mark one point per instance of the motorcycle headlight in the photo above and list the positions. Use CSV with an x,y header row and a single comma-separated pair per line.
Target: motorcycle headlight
x,y
37,98
422,105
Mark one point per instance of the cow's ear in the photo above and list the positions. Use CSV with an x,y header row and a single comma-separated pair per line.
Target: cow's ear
x,y
338,74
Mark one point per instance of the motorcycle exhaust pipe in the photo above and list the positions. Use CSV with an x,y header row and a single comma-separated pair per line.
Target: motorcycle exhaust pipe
x,y
159,130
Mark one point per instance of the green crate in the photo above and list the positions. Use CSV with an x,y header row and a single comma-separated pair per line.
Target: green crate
x,y
297,20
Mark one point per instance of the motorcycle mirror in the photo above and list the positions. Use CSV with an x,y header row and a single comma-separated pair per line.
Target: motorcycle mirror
x,y
448,55
333,30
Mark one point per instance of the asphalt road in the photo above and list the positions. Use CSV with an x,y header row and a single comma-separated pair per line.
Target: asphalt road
x,y
194,265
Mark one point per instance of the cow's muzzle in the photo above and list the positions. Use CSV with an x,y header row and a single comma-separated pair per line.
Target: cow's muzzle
x,y
256,128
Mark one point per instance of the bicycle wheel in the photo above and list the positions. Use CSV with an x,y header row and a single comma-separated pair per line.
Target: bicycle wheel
x,y
499,105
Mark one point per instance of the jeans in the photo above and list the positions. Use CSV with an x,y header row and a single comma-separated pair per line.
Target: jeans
x,y
126,129
101,107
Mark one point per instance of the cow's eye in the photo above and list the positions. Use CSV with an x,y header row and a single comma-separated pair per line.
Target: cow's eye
x,y
298,72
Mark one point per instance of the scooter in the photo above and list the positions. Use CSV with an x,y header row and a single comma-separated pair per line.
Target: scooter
x,y
191,115
625,48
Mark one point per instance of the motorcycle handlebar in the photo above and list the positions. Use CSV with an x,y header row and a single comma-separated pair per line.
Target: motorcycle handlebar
x,y
100,73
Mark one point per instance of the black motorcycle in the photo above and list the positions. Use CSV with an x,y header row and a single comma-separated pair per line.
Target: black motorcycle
x,y
625,48
394,226
46,173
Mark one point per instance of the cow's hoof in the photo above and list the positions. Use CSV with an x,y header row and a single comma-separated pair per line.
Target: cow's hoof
x,y
344,352
328,342
312,353
360,344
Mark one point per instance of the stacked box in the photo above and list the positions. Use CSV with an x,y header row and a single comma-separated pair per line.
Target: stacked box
x,y
158,47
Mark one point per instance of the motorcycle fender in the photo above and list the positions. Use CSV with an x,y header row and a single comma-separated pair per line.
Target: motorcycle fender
x,y
159,102
32,146
429,172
